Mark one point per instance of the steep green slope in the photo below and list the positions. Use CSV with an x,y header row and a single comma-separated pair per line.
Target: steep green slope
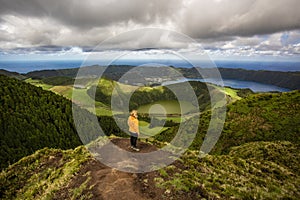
x,y
258,117
32,118
262,117
42,174
243,174
235,176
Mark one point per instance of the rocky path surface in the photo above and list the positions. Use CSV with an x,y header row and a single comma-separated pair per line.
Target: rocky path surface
x,y
111,184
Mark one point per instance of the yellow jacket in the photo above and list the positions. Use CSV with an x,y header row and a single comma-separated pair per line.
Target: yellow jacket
x,y
133,124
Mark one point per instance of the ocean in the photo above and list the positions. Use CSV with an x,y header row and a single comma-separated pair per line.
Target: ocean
x,y
28,66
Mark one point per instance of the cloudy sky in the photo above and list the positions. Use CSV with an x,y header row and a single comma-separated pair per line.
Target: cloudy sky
x,y
226,29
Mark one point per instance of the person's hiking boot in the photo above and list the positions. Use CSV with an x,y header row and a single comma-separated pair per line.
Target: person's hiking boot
x,y
136,149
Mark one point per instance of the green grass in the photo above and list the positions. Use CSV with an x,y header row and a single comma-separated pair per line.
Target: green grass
x,y
233,93
82,98
80,95
257,170
65,91
258,117
147,132
43,174
174,119
39,83
235,176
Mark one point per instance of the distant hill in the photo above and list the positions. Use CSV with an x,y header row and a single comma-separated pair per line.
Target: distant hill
x,y
12,74
290,80
113,72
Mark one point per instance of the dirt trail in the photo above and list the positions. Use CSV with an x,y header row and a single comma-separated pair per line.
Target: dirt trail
x,y
111,184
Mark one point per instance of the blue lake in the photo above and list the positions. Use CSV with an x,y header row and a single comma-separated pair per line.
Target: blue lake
x,y
254,86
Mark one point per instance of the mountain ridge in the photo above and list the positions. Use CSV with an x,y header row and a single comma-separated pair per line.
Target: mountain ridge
x,y
75,174
290,80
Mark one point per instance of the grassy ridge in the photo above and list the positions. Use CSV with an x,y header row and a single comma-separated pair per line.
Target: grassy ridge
x,y
235,176
262,117
43,174
245,173
258,117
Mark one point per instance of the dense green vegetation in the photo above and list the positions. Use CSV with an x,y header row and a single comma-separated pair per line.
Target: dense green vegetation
x,y
46,174
58,80
146,95
257,170
32,118
259,117
256,157
262,117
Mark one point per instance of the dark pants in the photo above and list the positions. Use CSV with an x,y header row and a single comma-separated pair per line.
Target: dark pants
x,y
133,139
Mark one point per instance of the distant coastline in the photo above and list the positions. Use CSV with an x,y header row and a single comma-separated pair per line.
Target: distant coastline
x,y
284,81
29,66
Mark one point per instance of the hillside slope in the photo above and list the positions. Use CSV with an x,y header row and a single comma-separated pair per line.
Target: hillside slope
x,y
262,117
12,74
32,118
243,174
74,174
71,174
258,117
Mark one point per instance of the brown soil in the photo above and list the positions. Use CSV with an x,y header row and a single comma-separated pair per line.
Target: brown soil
x,y
110,184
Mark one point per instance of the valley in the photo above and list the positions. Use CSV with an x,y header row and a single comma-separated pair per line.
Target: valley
x,y
256,156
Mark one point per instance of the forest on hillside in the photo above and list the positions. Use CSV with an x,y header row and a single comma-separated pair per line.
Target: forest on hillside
x,y
32,118
255,157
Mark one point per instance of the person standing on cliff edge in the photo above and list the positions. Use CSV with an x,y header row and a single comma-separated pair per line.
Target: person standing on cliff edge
x,y
133,124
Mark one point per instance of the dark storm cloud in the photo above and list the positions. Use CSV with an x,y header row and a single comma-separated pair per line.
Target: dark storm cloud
x,y
199,18
60,25
91,13
219,18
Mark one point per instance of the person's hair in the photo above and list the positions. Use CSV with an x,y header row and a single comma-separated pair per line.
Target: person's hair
x,y
133,113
